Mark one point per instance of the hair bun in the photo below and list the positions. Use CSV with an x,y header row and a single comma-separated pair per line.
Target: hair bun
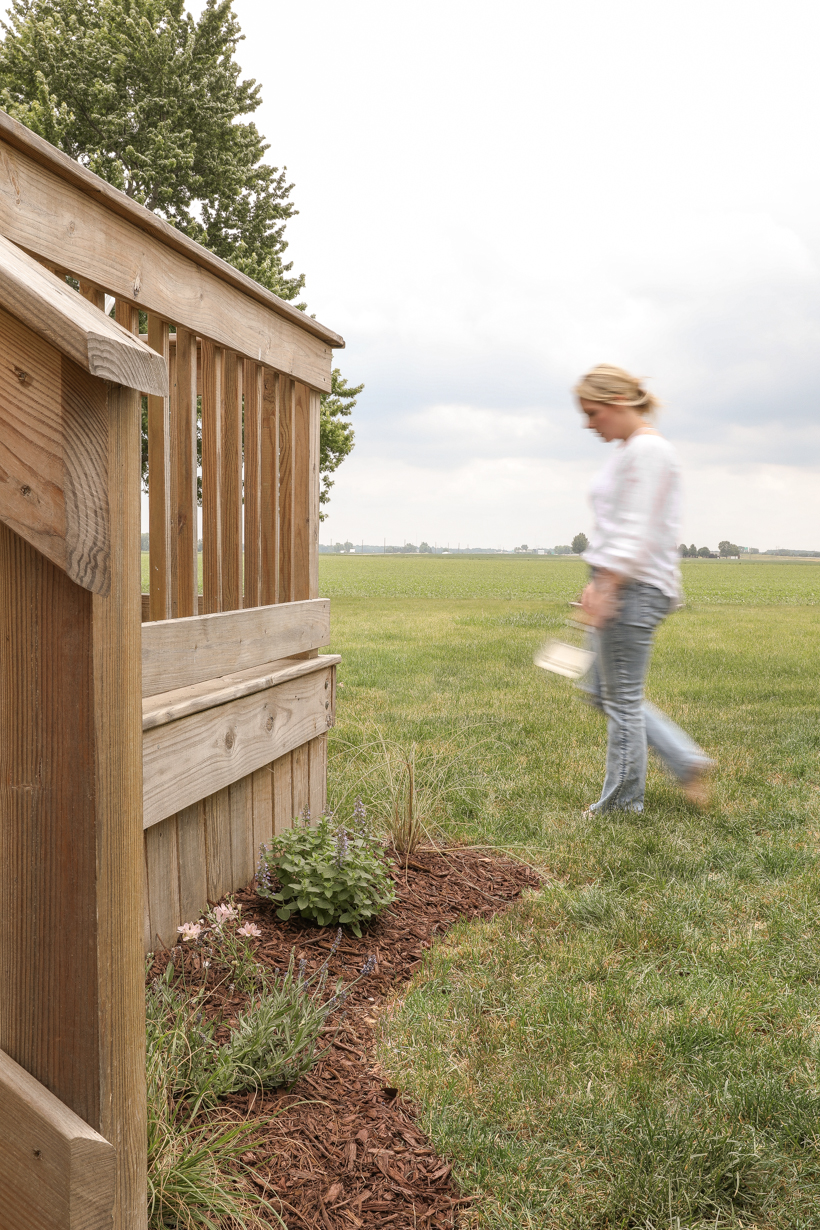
x,y
610,384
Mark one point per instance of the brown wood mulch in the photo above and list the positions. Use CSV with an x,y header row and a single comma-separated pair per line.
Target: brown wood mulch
x,y
343,1149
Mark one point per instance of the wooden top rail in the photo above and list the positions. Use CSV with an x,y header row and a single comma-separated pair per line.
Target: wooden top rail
x,y
179,653
67,216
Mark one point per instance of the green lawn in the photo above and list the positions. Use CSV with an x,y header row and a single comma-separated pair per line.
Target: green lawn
x,y
637,1045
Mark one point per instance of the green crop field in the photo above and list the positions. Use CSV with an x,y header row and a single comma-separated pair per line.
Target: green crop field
x,y
636,1045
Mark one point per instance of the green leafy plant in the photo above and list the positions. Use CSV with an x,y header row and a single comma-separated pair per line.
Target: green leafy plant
x,y
328,874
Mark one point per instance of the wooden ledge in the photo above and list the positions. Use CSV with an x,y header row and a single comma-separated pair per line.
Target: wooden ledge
x,y
182,702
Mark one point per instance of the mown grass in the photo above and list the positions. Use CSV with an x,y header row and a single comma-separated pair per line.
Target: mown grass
x,y
637,1045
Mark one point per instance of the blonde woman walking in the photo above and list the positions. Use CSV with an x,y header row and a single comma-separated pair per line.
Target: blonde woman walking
x,y
635,582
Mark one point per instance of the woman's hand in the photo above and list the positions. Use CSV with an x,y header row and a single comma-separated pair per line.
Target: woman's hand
x,y
599,600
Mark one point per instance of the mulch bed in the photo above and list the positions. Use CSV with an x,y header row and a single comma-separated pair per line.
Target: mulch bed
x,y
344,1149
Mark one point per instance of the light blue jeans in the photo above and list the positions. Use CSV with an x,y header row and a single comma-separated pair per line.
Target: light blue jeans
x,y
615,684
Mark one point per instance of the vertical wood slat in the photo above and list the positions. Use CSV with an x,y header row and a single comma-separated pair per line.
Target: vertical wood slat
x,y
162,859
302,493
127,315
269,487
159,485
242,852
184,579
262,809
218,844
252,387
93,294
300,779
193,866
282,794
211,467
286,480
314,481
231,482
317,771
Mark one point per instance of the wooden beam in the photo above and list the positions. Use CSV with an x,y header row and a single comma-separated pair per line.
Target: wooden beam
x,y
52,309
269,485
48,216
314,487
56,1173
199,755
252,387
177,653
182,702
302,492
184,563
17,137
287,446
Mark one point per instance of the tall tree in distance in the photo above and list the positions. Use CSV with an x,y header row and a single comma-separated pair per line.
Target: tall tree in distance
x,y
152,100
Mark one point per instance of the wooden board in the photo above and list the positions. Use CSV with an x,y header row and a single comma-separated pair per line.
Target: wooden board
x,y
252,388
56,1173
193,869
317,792
269,488
242,848
287,590
283,811
159,487
48,216
198,755
16,136
184,565
302,493
300,781
230,489
262,809
218,845
212,362
179,652
74,326
162,859
53,456
314,506
170,706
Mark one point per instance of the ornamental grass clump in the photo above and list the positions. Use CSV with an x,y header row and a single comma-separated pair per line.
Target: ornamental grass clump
x,y
328,874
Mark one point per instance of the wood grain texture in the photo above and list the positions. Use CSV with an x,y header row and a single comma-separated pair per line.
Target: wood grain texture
x,y
287,442
262,781
269,489
184,566
314,488
231,483
179,653
300,779
162,859
56,1172
283,813
74,326
218,845
252,386
242,851
94,294
39,155
302,493
195,756
53,455
170,706
159,483
317,770
118,779
212,366
193,864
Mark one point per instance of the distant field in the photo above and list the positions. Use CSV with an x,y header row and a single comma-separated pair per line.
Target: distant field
x,y
636,1047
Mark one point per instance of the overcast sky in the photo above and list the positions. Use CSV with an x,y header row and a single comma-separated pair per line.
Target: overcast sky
x,y
495,196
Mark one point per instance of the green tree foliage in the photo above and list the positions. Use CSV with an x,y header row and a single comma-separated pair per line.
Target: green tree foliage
x,y
151,99
337,434
579,543
727,548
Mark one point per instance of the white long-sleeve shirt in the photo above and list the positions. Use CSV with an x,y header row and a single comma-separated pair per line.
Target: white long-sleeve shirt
x,y
636,502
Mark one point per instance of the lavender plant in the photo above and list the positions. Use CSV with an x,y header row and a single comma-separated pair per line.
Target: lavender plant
x,y
333,873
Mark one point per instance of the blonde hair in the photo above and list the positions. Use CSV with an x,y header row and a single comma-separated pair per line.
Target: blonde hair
x,y
613,384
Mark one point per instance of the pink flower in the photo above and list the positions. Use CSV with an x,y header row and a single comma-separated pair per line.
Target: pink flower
x,y
225,913
190,931
250,930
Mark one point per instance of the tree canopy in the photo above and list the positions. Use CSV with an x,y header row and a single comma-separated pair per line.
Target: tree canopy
x,y
580,543
152,100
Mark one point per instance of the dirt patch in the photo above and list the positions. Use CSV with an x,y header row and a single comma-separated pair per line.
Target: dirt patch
x,y
344,1149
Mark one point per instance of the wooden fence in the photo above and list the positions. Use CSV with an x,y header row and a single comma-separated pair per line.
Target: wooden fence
x,y
236,699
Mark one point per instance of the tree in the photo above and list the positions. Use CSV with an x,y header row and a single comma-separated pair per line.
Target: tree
x,y
151,100
336,435
579,543
727,548
704,553
425,548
